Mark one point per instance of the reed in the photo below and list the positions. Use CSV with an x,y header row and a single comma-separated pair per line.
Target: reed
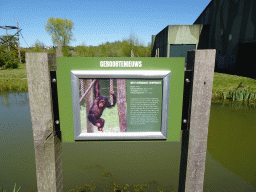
x,y
14,190
239,95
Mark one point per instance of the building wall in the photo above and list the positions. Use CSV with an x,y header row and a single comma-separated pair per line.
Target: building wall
x,y
231,22
175,34
160,41
183,34
229,26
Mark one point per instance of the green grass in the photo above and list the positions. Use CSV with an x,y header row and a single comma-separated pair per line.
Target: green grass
x,y
233,87
223,82
14,79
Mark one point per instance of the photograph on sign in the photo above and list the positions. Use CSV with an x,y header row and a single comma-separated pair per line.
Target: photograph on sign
x,y
120,107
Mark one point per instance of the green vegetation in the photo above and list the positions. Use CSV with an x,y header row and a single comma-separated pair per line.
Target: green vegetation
x,y
108,183
2,190
60,29
8,53
8,61
233,88
15,79
116,49
227,87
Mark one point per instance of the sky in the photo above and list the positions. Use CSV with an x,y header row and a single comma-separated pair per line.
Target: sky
x,y
97,21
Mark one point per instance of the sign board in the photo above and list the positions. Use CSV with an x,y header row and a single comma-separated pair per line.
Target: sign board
x,y
152,94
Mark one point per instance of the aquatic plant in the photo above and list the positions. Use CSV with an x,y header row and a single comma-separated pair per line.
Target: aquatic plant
x,y
113,185
13,189
239,95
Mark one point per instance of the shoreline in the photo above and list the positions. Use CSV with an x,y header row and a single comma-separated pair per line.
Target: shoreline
x,y
225,87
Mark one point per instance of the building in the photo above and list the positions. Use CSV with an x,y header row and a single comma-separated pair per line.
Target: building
x,y
229,26
176,40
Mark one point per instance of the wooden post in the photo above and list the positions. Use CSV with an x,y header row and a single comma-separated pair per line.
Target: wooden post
x,y
89,102
121,102
202,62
47,145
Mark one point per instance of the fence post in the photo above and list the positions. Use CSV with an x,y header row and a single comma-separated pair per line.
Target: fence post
x,y
192,174
46,144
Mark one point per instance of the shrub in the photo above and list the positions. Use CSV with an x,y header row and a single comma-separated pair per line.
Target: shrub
x,y
2,62
7,60
52,50
65,52
22,55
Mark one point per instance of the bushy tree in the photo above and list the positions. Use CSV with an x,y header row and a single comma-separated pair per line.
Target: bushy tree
x,y
13,42
65,52
80,51
60,29
38,43
22,55
8,59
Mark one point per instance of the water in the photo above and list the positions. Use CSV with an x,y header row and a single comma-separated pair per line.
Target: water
x,y
229,163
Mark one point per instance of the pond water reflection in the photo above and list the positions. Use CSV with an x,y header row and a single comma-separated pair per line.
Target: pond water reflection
x,y
229,165
231,138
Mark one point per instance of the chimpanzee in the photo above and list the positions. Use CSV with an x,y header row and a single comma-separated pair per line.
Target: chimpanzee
x,y
98,106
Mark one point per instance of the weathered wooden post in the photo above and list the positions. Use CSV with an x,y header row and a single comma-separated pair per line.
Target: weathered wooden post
x,y
194,140
47,145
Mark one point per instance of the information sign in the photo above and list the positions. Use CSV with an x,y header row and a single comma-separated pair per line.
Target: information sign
x,y
120,98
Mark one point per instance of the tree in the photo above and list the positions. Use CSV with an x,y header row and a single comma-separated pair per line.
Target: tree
x,y
39,43
60,29
121,102
8,59
38,47
13,42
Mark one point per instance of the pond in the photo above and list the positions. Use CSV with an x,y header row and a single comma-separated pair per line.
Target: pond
x,y
230,160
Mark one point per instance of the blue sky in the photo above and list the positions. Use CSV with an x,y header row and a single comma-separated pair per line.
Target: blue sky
x,y
98,21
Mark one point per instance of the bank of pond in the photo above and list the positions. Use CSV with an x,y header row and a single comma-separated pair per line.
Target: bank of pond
x,y
225,86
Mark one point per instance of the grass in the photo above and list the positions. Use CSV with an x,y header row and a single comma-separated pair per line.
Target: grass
x,y
223,82
2,190
14,79
233,87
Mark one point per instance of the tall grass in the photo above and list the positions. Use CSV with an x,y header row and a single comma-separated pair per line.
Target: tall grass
x,y
233,88
14,79
14,190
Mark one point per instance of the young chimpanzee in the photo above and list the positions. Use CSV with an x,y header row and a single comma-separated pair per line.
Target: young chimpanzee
x,y
98,106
